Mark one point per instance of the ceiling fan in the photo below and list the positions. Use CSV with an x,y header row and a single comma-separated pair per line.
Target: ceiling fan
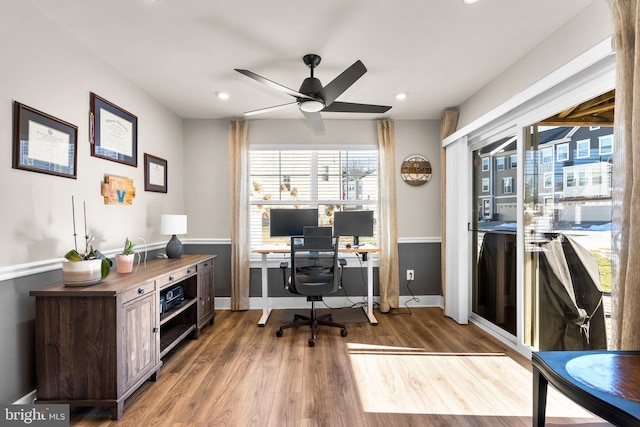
x,y
312,97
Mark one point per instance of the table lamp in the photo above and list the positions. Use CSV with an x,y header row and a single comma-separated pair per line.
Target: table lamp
x,y
172,225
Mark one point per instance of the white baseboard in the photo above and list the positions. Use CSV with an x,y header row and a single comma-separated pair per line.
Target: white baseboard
x,y
255,303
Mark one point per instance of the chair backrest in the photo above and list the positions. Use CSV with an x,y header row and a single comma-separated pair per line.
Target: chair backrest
x,y
314,265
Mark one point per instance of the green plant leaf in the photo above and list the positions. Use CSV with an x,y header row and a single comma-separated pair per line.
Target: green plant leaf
x,y
73,256
105,268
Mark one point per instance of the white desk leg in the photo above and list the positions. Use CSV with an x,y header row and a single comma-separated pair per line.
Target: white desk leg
x,y
369,309
266,310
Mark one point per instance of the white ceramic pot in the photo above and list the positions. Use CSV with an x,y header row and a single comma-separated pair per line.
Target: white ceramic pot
x,y
124,263
82,273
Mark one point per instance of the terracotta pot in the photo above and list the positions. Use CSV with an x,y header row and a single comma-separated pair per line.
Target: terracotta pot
x,y
124,263
81,273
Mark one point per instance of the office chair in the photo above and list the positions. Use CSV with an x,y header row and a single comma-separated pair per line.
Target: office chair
x,y
315,271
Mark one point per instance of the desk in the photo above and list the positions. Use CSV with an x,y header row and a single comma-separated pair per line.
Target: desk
x,y
606,383
284,249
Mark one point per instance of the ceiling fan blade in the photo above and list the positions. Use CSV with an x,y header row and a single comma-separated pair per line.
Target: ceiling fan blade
x,y
341,83
271,109
272,84
314,120
349,107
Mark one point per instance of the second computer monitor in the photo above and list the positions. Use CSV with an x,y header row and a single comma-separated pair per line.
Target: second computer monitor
x,y
353,223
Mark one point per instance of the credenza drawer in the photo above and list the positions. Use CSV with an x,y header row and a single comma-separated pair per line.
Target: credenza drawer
x,y
176,275
205,265
138,291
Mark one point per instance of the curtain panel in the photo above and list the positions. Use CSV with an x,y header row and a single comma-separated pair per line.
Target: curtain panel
x,y
240,230
448,125
389,274
625,229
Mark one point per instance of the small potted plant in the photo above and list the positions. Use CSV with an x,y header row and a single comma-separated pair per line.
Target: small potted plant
x,y
87,268
124,260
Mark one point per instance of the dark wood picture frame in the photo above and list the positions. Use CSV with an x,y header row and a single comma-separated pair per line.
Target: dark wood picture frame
x,y
43,143
113,132
155,174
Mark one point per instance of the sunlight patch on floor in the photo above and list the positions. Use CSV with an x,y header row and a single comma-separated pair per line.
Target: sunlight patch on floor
x,y
414,381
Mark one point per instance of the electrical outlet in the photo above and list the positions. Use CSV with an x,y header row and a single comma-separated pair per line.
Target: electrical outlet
x,y
409,274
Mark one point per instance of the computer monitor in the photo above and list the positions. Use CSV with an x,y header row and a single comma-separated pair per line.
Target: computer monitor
x,y
317,237
291,222
353,223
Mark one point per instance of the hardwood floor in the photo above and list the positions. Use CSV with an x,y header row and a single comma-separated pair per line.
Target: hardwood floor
x,y
421,369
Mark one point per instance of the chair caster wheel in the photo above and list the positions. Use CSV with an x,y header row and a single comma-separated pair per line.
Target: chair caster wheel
x,y
312,342
279,333
343,332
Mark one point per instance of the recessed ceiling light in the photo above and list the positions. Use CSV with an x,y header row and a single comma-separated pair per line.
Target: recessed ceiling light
x,y
471,1
222,95
401,96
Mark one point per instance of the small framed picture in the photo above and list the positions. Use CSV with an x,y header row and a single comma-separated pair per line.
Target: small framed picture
x,y
43,143
155,174
113,132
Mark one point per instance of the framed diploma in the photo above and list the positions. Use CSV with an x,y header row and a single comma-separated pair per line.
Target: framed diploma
x,y
43,143
155,174
113,132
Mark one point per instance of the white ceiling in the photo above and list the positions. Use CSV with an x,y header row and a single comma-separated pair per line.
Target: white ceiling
x,y
183,51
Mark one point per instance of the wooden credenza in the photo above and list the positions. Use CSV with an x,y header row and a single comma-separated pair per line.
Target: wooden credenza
x,y
96,345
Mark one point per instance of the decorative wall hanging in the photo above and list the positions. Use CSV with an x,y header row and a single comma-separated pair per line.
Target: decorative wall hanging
x,y
43,143
155,174
416,170
118,191
113,132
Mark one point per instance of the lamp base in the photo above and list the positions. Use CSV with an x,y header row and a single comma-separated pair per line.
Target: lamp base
x,y
174,248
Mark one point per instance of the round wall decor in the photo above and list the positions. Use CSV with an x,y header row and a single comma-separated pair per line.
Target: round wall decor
x,y
416,170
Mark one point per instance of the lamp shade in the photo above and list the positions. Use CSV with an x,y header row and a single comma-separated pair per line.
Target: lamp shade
x,y
173,224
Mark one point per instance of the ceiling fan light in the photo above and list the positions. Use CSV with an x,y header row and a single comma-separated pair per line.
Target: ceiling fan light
x,y
311,106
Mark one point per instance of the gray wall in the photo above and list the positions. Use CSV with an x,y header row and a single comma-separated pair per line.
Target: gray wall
x,y
424,258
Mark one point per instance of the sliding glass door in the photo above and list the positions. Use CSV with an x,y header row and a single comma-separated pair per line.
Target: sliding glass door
x,y
566,225
567,236
495,174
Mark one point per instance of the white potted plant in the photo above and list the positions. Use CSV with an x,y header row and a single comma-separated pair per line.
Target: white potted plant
x,y
87,268
124,260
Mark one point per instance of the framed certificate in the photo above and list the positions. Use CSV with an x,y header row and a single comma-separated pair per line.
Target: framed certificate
x,y
155,174
43,143
113,132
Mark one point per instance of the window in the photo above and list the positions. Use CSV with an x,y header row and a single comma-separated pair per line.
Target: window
x,y
596,176
507,185
548,180
547,155
514,161
486,208
571,179
329,180
583,149
562,152
500,163
485,164
606,144
485,185
582,178
594,127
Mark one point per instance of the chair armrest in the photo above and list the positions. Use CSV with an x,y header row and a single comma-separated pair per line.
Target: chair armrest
x,y
284,265
342,263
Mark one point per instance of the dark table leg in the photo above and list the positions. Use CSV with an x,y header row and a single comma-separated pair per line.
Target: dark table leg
x,y
539,398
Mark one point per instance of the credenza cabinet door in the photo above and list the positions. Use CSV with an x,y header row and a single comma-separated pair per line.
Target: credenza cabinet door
x,y
139,350
205,293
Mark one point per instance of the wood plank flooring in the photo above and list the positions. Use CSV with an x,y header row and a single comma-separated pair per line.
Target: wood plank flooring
x,y
421,369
